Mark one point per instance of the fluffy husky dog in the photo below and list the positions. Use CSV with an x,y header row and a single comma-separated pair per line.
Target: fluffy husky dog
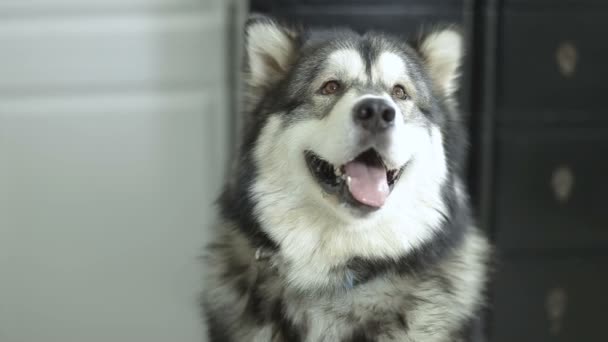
x,y
346,218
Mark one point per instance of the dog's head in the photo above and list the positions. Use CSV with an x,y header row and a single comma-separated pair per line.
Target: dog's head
x,y
348,129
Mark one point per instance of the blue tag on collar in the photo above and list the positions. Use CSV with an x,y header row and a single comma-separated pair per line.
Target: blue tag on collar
x,y
349,280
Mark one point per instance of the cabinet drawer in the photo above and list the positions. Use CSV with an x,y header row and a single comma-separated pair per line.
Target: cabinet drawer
x,y
540,300
551,187
552,65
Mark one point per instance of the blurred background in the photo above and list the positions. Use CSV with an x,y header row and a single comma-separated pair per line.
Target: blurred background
x,y
117,119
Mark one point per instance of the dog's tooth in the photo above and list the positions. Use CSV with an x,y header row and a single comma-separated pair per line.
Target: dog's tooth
x,y
337,171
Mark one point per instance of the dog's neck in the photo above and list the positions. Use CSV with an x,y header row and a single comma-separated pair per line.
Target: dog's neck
x,y
269,258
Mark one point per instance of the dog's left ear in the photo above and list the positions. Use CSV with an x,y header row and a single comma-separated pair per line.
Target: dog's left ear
x,y
442,53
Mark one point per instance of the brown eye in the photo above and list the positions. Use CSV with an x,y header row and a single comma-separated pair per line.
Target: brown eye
x,y
399,92
330,87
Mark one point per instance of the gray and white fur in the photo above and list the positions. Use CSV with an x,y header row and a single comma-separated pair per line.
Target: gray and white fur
x,y
304,254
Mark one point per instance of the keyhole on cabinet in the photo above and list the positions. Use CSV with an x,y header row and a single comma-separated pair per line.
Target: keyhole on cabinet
x,y
562,183
556,309
567,58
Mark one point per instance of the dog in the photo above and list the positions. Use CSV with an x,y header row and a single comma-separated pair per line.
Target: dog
x,y
346,217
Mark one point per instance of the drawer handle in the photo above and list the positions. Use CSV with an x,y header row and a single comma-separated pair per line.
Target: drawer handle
x,y
567,58
556,308
562,183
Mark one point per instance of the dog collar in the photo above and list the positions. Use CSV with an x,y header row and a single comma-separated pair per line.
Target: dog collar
x,y
349,280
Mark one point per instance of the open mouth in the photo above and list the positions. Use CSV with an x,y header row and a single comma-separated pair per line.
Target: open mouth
x,y
363,181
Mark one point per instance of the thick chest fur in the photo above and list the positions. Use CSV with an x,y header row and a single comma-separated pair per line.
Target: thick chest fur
x,y
248,300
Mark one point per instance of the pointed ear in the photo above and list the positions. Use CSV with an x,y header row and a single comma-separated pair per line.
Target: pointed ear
x,y
269,50
442,53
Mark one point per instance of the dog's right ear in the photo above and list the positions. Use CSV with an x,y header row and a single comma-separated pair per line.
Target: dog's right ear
x,y
269,50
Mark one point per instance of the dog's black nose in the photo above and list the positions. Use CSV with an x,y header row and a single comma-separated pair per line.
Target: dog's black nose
x,y
374,115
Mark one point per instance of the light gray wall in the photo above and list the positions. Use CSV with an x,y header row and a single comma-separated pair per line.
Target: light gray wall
x,y
114,132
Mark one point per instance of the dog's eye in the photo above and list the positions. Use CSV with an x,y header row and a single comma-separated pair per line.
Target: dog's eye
x,y
399,92
330,87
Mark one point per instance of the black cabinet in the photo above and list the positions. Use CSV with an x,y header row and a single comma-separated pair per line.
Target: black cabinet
x,y
545,140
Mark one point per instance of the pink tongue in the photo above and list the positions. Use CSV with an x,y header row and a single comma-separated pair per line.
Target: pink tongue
x,y
367,184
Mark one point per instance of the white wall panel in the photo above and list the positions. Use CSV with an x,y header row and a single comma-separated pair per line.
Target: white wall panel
x,y
103,215
54,54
